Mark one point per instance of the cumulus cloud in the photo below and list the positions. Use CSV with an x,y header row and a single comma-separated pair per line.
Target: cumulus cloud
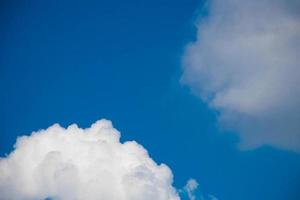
x,y
245,64
81,164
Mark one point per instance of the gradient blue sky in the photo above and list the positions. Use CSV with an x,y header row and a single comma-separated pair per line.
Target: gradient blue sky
x,y
79,61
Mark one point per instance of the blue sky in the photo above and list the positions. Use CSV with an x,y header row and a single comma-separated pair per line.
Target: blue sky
x,y
75,62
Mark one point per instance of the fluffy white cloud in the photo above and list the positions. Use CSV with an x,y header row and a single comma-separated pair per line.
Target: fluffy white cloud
x,y
81,164
245,64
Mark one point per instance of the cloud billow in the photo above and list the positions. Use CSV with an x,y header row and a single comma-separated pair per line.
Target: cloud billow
x,y
82,164
245,64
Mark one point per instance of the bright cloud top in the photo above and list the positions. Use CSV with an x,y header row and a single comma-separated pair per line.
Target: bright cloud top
x,y
82,164
245,64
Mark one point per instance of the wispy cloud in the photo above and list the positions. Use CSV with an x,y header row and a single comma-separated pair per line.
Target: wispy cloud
x,y
190,190
190,187
245,64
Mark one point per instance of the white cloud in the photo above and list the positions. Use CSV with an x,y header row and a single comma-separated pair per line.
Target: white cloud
x,y
190,187
190,190
82,164
245,64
